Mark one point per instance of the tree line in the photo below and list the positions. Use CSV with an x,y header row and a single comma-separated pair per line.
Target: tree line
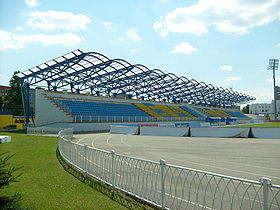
x,y
12,100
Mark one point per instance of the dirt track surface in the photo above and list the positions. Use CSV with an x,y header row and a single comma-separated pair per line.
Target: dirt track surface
x,y
237,157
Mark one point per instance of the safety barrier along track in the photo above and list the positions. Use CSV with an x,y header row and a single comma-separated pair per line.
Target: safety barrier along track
x,y
169,186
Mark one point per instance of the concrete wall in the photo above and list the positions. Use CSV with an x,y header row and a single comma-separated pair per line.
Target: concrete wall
x,y
100,127
160,130
163,131
46,112
119,129
220,132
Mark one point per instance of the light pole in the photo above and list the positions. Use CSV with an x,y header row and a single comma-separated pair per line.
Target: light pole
x,y
273,65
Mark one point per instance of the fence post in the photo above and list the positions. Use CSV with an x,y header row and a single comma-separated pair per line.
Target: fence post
x,y
266,182
68,148
113,168
162,179
86,158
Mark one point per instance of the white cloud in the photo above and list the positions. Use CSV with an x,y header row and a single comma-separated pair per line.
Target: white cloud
x,y
121,39
263,95
270,80
51,20
230,16
278,45
225,68
135,51
19,28
31,3
13,41
184,47
132,34
232,79
107,24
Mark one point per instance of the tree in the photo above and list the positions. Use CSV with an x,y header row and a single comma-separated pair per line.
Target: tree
x,y
246,109
6,178
1,102
12,100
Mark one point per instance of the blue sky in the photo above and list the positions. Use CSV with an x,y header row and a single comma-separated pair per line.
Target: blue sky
x,y
224,43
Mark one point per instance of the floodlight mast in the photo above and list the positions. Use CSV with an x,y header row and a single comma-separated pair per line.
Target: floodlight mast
x,y
273,65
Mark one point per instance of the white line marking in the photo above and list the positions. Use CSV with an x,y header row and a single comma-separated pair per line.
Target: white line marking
x,y
109,143
95,138
225,168
242,164
123,142
193,203
81,139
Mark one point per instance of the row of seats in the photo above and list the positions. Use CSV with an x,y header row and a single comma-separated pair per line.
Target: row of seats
x,y
164,110
236,114
101,109
215,112
211,112
91,108
194,113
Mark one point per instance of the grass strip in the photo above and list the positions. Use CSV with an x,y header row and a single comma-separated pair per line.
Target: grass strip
x,y
116,195
44,183
263,125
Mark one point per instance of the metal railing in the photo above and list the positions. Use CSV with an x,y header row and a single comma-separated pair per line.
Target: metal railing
x,y
90,118
41,131
169,186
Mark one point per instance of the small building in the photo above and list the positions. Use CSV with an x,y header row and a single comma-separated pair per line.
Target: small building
x,y
3,90
260,108
265,109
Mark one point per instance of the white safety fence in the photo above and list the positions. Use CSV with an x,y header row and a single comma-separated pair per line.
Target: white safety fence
x,y
41,131
168,186
89,118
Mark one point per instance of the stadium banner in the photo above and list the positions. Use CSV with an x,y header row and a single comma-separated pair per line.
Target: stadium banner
x,y
266,133
164,131
220,132
195,124
205,124
120,129
180,125
145,125
167,125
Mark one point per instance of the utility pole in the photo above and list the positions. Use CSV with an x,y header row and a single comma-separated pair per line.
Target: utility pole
x,y
273,65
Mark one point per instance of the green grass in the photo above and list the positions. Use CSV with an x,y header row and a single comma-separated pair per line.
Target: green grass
x,y
44,183
267,125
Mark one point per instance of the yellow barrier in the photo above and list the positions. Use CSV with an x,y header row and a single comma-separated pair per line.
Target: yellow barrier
x,y
5,120
9,119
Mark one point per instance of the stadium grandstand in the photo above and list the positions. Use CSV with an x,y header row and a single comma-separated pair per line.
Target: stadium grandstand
x,y
89,87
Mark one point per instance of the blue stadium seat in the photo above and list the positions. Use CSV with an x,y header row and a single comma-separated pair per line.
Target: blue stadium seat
x,y
236,114
101,109
192,112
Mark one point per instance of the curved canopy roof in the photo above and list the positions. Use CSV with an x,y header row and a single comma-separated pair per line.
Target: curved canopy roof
x,y
95,73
